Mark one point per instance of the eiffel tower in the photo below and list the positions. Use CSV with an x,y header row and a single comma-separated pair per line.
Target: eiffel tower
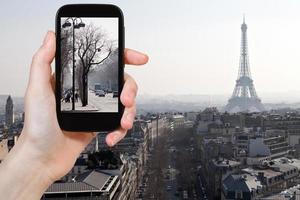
x,y
244,97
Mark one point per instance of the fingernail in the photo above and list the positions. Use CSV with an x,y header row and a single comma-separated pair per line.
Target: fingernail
x,y
146,56
114,140
130,117
46,39
111,143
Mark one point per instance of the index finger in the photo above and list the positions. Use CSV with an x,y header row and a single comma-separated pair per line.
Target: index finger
x,y
133,57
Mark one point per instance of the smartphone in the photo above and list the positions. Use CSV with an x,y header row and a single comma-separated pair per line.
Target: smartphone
x,y
89,67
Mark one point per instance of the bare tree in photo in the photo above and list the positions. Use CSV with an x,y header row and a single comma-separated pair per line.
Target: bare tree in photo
x,y
106,73
93,49
66,56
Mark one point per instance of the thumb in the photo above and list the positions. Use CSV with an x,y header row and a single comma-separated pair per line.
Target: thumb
x,y
40,71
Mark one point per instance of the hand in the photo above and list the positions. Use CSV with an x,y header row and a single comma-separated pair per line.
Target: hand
x,y
42,144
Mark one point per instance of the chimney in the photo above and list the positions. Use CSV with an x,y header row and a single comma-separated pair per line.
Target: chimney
x,y
261,175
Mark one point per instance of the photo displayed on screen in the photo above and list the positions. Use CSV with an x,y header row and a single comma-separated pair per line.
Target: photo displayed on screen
x,y
89,64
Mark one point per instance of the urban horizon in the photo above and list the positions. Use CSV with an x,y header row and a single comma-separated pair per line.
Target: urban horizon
x,y
273,39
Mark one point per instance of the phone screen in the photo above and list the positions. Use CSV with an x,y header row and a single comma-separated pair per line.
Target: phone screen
x,y
89,64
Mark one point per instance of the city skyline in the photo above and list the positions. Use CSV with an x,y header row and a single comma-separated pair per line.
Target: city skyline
x,y
209,56
182,140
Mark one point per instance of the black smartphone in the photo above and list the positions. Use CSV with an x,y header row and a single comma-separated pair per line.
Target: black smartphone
x,y
89,67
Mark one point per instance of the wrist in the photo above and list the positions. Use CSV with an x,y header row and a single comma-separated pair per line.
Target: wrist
x,y
23,175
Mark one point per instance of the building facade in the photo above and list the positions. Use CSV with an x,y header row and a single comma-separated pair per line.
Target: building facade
x,y
9,112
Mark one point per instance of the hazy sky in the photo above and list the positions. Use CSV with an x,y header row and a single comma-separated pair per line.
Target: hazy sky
x,y
107,25
193,45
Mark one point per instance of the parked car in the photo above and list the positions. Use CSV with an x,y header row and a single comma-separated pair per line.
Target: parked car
x,y
169,188
115,94
185,195
100,93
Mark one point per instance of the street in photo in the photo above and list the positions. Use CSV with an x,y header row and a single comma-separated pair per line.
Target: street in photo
x,y
89,64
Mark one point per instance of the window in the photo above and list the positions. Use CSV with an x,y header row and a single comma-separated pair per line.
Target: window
x,y
239,195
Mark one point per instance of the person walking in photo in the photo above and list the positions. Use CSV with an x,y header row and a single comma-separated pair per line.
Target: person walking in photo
x,y
76,97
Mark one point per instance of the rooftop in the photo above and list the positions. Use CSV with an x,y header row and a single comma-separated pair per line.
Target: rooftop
x,y
268,173
89,181
241,182
221,162
177,116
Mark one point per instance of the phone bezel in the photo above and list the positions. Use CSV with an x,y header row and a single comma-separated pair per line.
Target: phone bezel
x,y
89,121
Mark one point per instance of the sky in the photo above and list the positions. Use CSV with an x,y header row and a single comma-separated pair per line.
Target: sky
x,y
107,25
193,45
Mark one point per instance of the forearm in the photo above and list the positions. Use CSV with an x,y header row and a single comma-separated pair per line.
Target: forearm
x,y
22,177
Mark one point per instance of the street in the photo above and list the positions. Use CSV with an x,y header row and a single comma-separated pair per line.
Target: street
x,y
95,103
174,167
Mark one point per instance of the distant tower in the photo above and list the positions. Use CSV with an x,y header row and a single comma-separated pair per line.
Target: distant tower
x,y
244,97
9,112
